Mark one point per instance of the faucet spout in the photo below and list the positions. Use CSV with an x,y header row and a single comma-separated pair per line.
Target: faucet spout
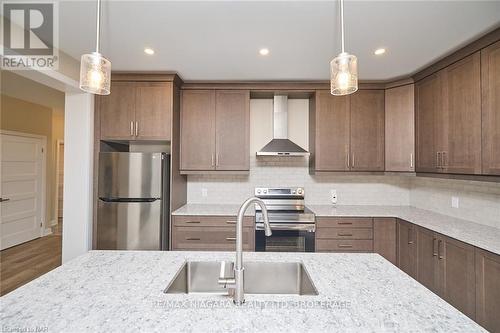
x,y
239,295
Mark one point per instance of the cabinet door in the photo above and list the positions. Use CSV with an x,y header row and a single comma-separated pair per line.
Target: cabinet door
x,y
427,253
232,128
198,130
399,129
153,112
407,248
117,111
367,130
456,274
490,76
384,238
488,290
332,126
429,105
462,111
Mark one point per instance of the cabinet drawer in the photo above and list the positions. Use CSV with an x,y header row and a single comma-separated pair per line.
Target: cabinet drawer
x,y
344,233
344,222
337,245
210,238
210,221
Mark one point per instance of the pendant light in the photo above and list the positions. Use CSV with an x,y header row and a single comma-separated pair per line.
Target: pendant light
x,y
95,70
344,68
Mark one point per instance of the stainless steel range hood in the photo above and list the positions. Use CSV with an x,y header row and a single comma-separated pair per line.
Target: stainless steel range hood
x,y
280,145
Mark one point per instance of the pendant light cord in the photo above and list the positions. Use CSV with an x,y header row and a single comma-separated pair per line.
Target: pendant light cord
x,y
342,23
98,26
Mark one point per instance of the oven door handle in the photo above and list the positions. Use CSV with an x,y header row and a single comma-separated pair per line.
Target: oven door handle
x,y
287,226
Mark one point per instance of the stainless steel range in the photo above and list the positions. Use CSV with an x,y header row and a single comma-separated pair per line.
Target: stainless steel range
x,y
292,223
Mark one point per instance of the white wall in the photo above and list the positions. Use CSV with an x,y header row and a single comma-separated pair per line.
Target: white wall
x,y
78,159
478,201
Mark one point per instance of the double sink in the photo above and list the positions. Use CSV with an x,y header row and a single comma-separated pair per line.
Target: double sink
x,y
283,278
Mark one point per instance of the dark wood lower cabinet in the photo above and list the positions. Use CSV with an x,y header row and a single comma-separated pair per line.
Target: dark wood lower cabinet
x,y
488,290
407,248
427,273
384,238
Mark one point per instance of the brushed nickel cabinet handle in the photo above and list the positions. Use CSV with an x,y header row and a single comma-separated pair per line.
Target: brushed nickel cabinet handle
x,y
345,223
131,128
344,235
4,199
434,250
136,128
444,162
346,246
410,241
213,158
217,159
411,160
231,239
231,222
192,222
193,239
348,160
437,159
353,160
440,254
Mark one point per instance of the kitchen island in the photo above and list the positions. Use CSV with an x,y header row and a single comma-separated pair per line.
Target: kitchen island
x,y
110,291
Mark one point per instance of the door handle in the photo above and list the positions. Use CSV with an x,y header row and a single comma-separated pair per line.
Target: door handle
x,y
213,158
411,160
443,159
353,160
440,254
231,222
131,128
136,128
437,159
192,222
231,239
348,160
217,159
345,246
193,239
344,235
434,243
4,199
410,241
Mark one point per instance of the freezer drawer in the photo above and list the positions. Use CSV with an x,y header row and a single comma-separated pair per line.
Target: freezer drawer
x,y
129,225
130,175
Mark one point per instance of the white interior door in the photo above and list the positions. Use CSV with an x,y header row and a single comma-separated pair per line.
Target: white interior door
x,y
22,167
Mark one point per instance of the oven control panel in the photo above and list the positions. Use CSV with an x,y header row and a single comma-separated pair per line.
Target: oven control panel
x,y
279,191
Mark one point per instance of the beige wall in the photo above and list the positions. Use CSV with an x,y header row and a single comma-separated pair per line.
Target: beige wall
x,y
22,116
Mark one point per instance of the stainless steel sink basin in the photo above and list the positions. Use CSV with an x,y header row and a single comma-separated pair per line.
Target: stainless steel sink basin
x,y
201,277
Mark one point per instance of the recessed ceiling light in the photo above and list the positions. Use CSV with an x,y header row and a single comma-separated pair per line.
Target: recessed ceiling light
x,y
379,51
149,51
264,52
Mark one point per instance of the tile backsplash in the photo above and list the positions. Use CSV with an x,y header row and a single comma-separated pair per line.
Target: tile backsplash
x,y
293,171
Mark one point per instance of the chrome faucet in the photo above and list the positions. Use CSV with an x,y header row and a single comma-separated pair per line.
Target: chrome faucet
x,y
237,282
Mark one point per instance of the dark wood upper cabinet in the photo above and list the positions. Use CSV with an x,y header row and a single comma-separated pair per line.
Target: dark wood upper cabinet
x,y
153,111
332,132
198,130
407,254
117,112
490,76
367,130
428,108
456,274
215,130
461,153
400,129
137,111
488,290
232,127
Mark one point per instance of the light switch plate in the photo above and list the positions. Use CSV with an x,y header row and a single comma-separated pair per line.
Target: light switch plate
x,y
333,196
455,202
204,192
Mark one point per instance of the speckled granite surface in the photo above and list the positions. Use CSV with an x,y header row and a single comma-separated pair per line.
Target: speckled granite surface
x,y
115,291
213,210
482,236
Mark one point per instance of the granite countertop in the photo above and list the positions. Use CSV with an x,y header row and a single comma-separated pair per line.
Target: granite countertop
x,y
212,210
117,291
482,236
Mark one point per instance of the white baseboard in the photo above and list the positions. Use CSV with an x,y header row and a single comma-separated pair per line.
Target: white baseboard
x,y
47,231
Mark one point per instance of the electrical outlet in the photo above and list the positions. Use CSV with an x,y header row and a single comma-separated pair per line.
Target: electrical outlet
x,y
455,202
204,192
333,196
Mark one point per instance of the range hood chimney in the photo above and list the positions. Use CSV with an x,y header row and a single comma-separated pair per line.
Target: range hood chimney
x,y
280,145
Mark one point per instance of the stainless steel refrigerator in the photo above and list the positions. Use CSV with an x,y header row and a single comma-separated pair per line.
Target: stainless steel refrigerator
x,y
133,209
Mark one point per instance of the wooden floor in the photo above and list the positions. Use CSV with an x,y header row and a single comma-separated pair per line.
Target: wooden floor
x,y
25,262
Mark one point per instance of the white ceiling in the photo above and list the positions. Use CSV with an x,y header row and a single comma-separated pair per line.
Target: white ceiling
x,y
211,40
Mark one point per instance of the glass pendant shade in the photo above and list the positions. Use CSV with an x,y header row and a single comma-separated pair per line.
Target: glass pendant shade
x,y
95,74
344,74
